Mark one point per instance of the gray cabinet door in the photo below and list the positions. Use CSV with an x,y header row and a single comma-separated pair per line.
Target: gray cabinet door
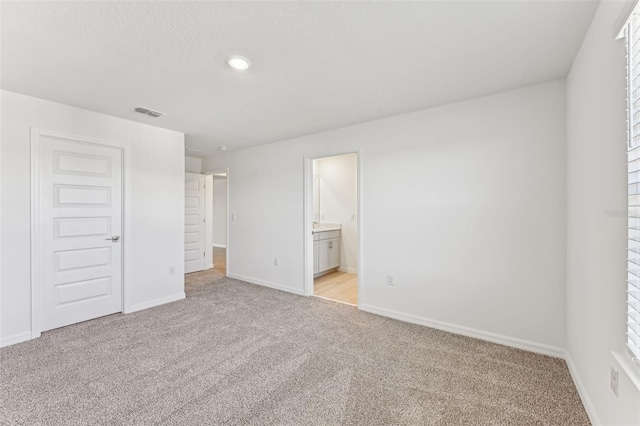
x,y
324,255
334,253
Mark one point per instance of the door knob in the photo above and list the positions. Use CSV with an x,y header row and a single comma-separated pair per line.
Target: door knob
x,y
114,239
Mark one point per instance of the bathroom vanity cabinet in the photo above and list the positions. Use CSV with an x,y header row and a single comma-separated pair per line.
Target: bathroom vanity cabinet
x,y
326,250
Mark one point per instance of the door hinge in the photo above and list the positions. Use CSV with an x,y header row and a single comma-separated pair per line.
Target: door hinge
x,y
204,254
204,220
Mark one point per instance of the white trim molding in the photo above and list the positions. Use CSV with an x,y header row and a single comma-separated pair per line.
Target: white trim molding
x,y
15,339
155,302
224,246
630,368
582,392
348,270
299,292
513,342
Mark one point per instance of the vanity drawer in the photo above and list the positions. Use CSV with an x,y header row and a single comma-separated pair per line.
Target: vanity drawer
x,y
325,235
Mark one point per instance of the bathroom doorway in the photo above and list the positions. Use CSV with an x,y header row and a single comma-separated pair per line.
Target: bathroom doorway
x,y
332,228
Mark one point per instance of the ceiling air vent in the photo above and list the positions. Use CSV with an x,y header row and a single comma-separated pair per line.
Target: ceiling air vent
x,y
149,112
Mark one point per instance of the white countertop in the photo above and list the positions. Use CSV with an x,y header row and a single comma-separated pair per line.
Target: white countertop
x,y
325,228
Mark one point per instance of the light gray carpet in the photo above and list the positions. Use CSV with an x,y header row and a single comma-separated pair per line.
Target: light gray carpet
x,y
234,353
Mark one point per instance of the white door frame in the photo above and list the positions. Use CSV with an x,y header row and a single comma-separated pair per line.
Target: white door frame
x,y
308,221
212,172
36,284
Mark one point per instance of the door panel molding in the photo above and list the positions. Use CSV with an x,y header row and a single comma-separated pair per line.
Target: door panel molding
x,y
92,227
194,223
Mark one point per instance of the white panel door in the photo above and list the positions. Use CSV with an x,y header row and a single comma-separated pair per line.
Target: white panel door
x,y
79,223
194,223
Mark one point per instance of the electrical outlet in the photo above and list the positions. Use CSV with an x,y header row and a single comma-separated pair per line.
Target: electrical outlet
x,y
614,381
275,261
172,270
390,280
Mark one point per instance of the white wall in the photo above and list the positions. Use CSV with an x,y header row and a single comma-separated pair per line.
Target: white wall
x,y
596,243
219,211
192,165
464,203
156,158
208,207
338,203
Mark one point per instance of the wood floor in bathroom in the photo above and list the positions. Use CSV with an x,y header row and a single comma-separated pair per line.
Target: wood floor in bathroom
x,y
340,286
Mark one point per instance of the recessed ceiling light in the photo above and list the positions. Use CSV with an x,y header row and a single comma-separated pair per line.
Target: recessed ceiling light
x,y
239,63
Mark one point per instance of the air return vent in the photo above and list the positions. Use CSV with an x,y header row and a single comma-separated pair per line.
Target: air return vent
x,y
149,112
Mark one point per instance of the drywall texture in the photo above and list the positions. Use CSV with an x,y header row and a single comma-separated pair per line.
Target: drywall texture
x,y
156,159
317,65
464,204
192,165
596,241
208,208
219,211
338,202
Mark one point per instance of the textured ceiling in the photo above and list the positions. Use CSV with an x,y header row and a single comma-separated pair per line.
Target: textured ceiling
x,y
316,65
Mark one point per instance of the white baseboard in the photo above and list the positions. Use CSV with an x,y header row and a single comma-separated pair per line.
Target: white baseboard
x,y
224,246
297,291
348,270
16,338
209,266
155,302
582,391
469,332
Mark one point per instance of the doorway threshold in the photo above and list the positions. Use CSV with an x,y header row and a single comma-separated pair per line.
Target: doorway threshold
x,y
334,300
